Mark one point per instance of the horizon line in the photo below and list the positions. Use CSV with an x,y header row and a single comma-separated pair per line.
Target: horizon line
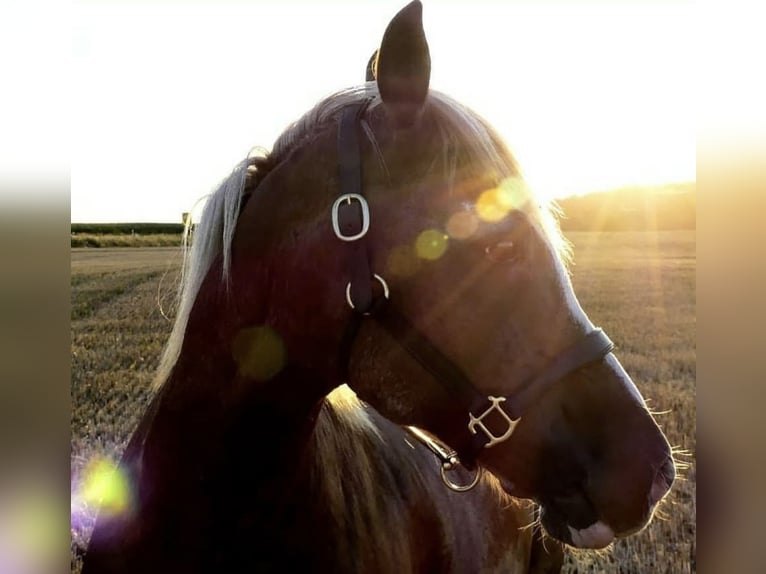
x,y
621,188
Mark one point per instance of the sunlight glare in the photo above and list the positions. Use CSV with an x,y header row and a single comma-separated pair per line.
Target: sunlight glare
x,y
259,352
573,127
402,261
462,225
105,486
494,204
489,208
431,244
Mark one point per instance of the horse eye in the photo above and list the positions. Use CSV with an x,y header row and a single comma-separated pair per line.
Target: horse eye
x,y
502,251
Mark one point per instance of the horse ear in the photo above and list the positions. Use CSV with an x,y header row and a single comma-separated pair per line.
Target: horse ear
x,y
404,65
371,68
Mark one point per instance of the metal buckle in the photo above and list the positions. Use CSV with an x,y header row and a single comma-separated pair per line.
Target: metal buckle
x,y
477,421
380,280
347,197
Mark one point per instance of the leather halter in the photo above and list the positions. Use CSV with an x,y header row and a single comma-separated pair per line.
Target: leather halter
x,y
351,219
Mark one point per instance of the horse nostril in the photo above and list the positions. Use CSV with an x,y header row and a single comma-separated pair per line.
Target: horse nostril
x,y
662,481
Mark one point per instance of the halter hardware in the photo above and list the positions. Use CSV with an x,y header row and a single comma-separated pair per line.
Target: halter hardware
x,y
477,422
448,458
380,280
459,487
347,197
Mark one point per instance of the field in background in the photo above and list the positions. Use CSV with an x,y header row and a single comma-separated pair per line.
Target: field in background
x,y
666,207
126,234
124,240
640,287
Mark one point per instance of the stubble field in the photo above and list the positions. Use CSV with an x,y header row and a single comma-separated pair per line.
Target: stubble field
x,y
638,286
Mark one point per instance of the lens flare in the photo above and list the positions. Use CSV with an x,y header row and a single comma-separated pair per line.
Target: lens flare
x,y
402,262
489,208
513,193
431,244
494,204
462,225
105,487
259,352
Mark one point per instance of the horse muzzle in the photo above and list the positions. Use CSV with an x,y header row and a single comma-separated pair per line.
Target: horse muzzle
x,y
573,518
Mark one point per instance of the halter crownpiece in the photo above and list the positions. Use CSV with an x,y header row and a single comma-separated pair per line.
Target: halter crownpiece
x,y
350,225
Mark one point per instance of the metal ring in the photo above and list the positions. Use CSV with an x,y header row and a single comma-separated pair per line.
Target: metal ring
x,y
457,487
380,280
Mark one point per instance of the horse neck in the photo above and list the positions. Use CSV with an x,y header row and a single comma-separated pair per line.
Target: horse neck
x,y
338,490
272,418
276,456
276,415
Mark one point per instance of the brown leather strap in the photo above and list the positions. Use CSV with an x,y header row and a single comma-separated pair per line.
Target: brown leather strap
x,y
594,346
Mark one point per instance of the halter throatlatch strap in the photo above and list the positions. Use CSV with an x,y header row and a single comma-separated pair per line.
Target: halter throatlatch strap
x,y
351,220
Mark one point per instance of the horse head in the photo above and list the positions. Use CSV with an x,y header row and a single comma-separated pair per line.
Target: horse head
x,y
390,242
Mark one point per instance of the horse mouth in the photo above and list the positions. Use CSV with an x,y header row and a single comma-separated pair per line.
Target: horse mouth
x,y
597,535
591,534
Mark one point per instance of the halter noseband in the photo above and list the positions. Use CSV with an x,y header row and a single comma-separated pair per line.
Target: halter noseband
x,y
350,224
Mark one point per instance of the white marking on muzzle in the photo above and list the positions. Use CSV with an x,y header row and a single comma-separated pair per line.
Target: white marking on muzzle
x,y
597,535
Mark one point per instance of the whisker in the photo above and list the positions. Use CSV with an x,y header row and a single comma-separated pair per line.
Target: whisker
x,y
658,513
679,451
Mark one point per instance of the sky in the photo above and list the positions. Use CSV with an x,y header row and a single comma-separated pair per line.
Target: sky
x,y
170,95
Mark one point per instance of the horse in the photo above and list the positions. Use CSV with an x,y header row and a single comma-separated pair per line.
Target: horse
x,y
379,363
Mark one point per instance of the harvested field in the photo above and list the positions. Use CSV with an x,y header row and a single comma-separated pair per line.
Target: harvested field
x,y
639,286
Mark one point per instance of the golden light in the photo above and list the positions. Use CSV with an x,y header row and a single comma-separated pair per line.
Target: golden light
x,y
462,225
513,193
259,352
105,486
431,244
489,208
402,261
494,204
